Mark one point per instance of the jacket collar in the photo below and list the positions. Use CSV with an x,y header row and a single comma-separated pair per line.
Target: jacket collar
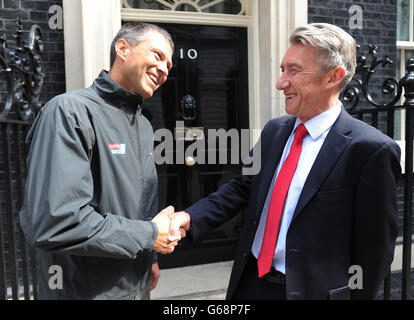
x,y
269,164
115,94
335,143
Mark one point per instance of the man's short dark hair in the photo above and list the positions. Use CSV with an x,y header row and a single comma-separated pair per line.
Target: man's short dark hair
x,y
134,33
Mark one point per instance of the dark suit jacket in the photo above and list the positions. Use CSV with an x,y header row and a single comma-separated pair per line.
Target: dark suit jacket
x,y
346,214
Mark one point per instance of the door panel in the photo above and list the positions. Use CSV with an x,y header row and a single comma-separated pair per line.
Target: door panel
x,y
208,89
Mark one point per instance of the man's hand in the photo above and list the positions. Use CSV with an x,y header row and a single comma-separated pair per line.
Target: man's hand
x,y
163,221
180,223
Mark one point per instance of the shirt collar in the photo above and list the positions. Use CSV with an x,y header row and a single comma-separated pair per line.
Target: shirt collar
x,y
115,94
322,122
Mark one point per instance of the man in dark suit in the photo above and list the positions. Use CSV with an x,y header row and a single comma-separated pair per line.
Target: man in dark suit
x,y
323,205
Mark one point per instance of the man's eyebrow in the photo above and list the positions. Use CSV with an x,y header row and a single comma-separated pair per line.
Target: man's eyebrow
x,y
290,65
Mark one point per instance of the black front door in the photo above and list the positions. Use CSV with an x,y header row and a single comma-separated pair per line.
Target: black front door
x,y
207,89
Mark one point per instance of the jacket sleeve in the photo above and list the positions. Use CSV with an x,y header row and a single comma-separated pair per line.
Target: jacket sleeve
x,y
229,199
57,214
375,225
219,206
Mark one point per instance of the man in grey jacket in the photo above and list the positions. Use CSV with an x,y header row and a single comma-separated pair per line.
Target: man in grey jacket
x,y
91,189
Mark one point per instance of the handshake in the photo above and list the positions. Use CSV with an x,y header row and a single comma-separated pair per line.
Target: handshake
x,y
172,227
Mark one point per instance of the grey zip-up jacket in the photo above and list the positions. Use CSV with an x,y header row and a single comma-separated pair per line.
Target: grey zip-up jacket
x,y
90,194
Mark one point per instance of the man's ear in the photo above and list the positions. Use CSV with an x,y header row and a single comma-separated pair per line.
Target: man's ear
x,y
336,75
122,49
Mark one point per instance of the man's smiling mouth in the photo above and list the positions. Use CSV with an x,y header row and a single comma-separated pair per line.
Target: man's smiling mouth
x,y
153,79
290,96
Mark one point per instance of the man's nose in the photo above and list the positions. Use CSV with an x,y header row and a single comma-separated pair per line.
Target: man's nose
x,y
282,83
162,66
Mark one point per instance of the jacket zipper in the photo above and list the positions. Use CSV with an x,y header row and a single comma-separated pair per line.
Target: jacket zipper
x,y
139,156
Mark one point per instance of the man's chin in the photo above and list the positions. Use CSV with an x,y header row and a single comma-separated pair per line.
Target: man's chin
x,y
146,94
290,109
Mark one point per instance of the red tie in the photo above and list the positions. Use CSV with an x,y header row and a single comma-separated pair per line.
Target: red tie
x,y
283,180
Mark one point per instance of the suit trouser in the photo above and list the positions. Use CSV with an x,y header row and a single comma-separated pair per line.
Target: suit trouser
x,y
251,287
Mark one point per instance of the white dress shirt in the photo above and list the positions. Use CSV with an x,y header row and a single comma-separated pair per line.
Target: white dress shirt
x,y
318,128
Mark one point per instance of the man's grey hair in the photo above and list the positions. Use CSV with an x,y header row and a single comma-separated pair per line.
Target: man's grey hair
x,y
134,33
336,47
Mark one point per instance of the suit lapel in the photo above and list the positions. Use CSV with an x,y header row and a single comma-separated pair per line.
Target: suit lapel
x,y
275,146
334,145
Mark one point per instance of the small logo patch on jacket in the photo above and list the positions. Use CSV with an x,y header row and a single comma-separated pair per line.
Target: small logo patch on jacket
x,y
117,148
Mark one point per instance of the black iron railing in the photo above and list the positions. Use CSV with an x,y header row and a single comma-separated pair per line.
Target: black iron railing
x,y
392,90
22,73
21,80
